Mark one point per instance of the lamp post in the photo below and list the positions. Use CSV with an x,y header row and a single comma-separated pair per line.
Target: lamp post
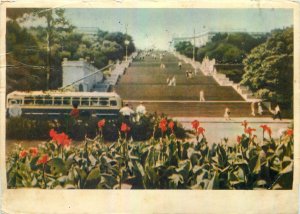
x,y
126,47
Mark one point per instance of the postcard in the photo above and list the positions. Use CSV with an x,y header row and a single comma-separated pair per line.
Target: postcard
x,y
149,107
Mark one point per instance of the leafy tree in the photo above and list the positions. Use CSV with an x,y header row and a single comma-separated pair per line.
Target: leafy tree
x,y
269,68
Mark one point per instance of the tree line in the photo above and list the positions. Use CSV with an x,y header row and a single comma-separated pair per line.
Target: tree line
x,y
34,54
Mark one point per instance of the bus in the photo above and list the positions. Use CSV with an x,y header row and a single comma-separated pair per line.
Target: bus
x,y
60,104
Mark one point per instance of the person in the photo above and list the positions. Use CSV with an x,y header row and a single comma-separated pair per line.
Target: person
x,y
227,113
15,109
172,82
253,108
277,113
202,96
179,64
259,109
75,112
140,111
126,111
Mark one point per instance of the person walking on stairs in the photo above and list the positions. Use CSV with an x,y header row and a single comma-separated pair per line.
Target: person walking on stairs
x,y
202,99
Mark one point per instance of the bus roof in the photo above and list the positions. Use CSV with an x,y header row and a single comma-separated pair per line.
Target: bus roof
x,y
62,93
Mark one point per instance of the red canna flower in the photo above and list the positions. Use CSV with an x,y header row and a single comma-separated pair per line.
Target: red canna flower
x,y
163,121
266,129
195,124
163,127
239,139
63,139
23,154
33,151
245,124
52,133
125,127
43,159
249,130
200,130
171,125
101,123
289,132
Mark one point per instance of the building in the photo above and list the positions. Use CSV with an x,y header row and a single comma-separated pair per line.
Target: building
x,y
76,73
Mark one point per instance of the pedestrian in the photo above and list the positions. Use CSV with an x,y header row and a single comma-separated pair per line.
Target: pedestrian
x,y
75,112
227,113
126,111
15,109
277,112
179,64
259,109
202,99
140,111
253,108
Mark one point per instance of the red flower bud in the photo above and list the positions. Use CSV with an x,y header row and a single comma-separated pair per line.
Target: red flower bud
x,y
23,154
195,124
43,159
125,127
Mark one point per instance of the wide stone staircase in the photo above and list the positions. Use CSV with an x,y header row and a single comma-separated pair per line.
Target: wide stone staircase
x,y
145,81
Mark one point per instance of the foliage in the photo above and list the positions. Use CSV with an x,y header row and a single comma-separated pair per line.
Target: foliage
x,y
165,163
35,54
36,128
224,47
269,68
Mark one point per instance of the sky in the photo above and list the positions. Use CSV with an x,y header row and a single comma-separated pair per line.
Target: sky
x,y
156,27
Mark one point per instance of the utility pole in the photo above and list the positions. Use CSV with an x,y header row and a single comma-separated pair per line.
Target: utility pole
x,y
194,46
126,43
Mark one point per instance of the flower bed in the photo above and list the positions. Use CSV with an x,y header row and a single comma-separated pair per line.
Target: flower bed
x,y
165,162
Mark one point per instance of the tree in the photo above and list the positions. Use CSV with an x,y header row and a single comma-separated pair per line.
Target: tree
x,y
269,68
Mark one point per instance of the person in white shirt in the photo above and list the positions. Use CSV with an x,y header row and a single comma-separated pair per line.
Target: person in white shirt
x,y
15,110
140,111
202,99
227,114
126,111
277,113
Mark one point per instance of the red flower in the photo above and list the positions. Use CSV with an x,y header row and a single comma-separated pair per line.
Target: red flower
x,y
33,151
63,139
163,121
52,133
200,130
101,123
171,125
266,129
289,132
43,159
125,127
239,139
245,124
249,130
195,124
23,154
163,127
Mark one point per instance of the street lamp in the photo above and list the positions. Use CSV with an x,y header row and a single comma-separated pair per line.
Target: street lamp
x,y
126,46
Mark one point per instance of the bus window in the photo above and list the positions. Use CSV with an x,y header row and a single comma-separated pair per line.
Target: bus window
x,y
85,101
67,100
39,100
14,101
94,102
28,100
113,103
103,101
48,100
57,101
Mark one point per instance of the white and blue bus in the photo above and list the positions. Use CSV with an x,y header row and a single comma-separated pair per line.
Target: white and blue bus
x,y
58,104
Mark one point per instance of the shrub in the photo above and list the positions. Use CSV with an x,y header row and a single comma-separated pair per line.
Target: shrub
x,y
163,163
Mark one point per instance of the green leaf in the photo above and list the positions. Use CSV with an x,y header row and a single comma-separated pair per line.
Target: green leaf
x,y
176,179
93,178
57,166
